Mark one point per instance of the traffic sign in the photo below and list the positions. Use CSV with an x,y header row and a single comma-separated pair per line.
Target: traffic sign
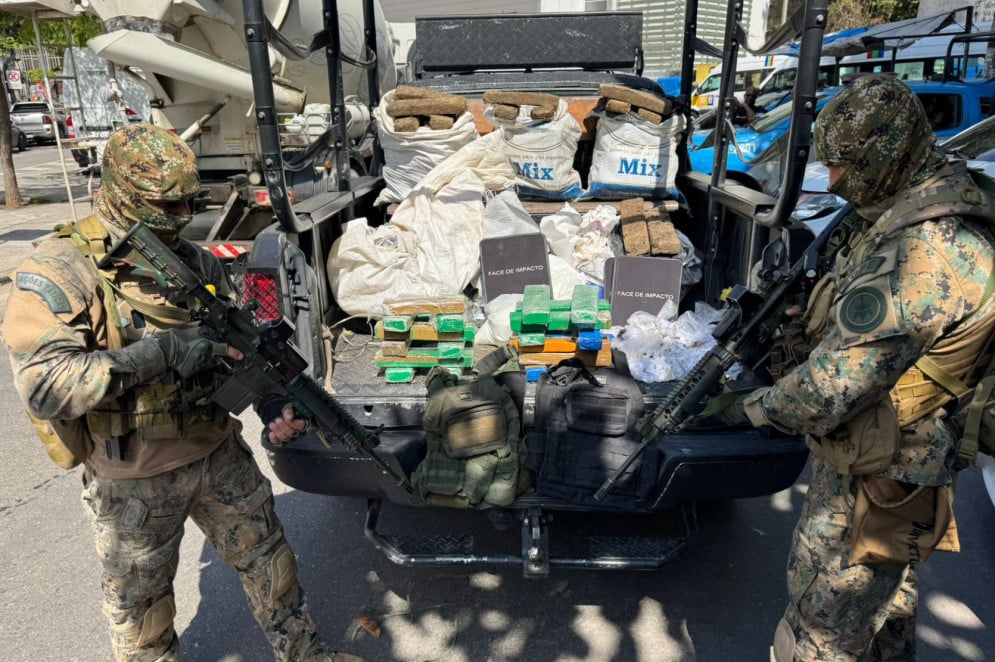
x,y
14,76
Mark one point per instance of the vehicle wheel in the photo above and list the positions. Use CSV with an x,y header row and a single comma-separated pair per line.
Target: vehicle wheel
x,y
22,143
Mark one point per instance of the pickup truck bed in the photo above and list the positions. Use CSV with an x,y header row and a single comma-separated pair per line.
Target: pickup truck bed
x,y
709,463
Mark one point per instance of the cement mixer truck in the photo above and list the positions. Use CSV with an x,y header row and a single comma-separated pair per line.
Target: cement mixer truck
x,y
193,58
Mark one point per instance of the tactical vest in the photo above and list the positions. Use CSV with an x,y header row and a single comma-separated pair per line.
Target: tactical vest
x,y
960,357
584,430
162,409
475,451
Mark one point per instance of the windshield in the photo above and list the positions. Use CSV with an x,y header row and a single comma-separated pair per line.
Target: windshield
x,y
710,84
977,142
773,117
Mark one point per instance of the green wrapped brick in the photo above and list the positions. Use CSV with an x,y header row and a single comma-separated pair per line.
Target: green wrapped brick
x,y
465,361
535,305
531,339
450,350
398,323
584,306
559,320
450,323
399,375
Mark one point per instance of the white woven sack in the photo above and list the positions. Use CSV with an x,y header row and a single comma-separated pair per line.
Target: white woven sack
x,y
542,153
634,158
410,155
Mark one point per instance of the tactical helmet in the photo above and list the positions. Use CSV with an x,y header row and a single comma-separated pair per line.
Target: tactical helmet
x,y
877,130
148,175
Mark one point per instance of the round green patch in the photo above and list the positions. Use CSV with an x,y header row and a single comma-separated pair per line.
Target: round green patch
x,y
863,310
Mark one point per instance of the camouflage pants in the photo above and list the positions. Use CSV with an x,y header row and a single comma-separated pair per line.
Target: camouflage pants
x,y
138,525
839,612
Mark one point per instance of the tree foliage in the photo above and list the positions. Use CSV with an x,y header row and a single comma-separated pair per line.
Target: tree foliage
x,y
844,14
17,31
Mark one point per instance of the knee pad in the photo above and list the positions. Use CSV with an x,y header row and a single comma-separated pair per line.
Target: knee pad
x,y
157,619
783,649
283,571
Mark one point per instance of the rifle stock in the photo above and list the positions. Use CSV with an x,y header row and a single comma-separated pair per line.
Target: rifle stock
x,y
735,330
270,363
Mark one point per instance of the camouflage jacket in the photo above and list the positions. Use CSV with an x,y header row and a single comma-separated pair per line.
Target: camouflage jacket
x,y
902,291
62,353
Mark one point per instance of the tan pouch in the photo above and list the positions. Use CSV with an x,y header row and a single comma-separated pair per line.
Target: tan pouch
x,y
896,522
68,443
866,444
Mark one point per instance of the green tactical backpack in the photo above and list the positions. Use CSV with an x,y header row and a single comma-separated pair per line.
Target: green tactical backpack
x,y
475,450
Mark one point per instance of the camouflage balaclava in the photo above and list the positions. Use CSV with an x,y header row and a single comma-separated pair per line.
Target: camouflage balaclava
x,y
877,130
144,169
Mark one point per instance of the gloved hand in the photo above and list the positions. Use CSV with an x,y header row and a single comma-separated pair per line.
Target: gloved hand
x,y
278,415
187,352
728,407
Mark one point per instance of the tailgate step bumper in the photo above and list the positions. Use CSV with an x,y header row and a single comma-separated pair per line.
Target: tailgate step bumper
x,y
536,559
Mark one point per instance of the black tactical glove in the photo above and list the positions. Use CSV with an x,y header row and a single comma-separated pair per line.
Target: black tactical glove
x,y
187,352
278,429
271,407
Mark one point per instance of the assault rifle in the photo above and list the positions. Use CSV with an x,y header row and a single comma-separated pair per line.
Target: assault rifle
x,y
748,319
270,363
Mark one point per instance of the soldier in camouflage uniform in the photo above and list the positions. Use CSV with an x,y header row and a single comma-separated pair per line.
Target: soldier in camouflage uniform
x,y
897,330
110,356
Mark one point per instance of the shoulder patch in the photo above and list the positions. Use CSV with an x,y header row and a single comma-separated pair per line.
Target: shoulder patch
x,y
870,266
51,294
863,310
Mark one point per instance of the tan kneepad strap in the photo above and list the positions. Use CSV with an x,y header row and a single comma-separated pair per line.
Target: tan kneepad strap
x,y
784,643
157,619
283,570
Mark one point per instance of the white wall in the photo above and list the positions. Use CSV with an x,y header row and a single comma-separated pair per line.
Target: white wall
x,y
984,10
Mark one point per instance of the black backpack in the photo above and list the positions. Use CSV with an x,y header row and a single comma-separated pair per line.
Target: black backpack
x,y
584,430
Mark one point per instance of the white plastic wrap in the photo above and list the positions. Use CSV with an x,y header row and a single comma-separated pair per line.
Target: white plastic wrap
x,y
584,242
659,348
496,329
431,246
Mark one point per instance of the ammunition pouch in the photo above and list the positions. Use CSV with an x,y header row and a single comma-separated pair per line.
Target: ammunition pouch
x,y
895,522
67,442
865,444
161,410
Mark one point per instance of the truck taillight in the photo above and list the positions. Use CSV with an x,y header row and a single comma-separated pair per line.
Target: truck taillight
x,y
45,119
261,197
262,289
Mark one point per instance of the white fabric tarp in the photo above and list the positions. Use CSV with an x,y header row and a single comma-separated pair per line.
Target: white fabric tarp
x,y
431,246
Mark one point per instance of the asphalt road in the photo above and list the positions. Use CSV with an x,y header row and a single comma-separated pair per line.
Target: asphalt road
x,y
40,177
720,601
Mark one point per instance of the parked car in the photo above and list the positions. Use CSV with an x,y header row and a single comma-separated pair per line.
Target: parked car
x,y
18,140
37,121
87,155
760,142
976,145
952,107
